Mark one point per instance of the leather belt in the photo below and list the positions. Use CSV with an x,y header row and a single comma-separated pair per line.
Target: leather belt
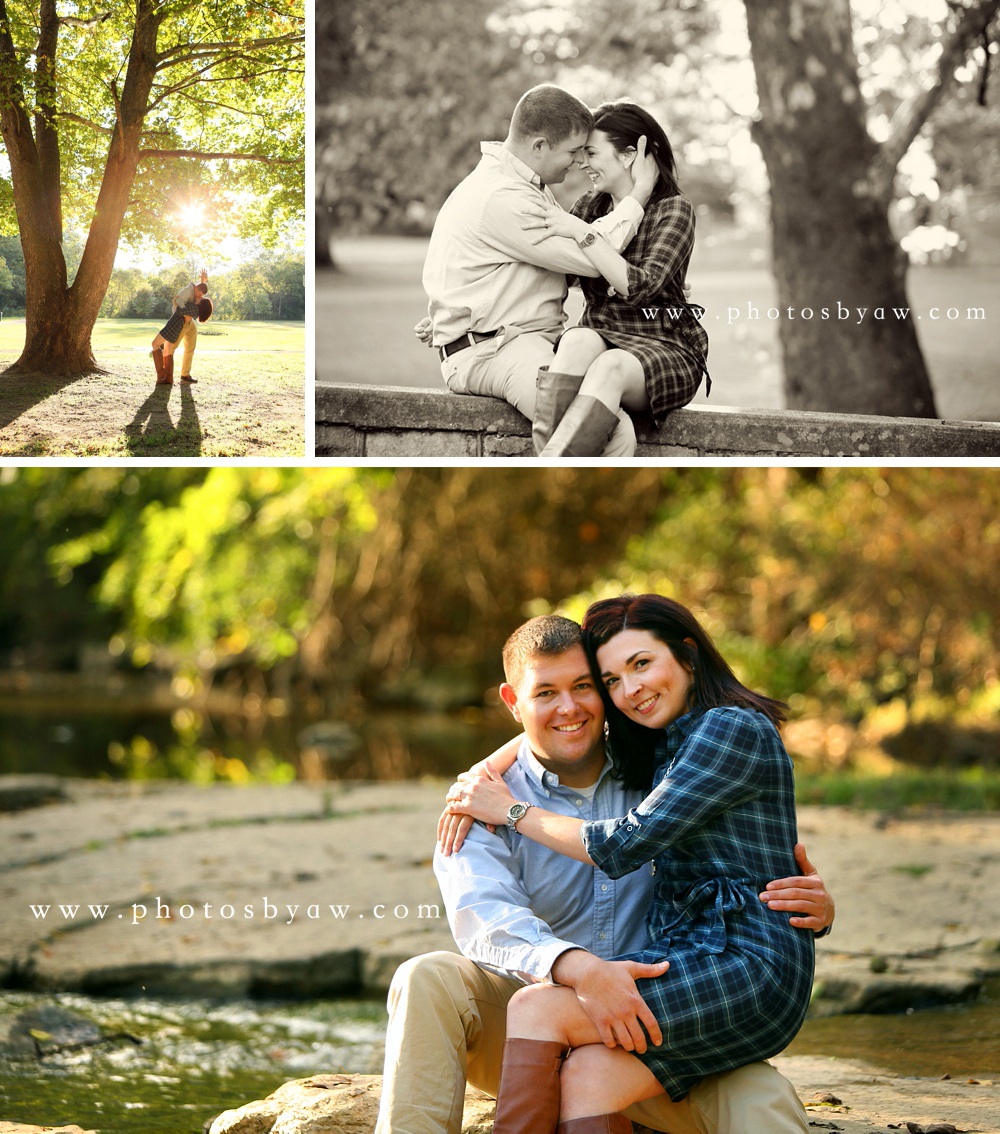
x,y
466,340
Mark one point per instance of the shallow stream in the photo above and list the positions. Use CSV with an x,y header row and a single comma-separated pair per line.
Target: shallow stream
x,y
200,1057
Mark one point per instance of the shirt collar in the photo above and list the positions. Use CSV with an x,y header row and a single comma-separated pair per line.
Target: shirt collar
x,y
545,779
500,153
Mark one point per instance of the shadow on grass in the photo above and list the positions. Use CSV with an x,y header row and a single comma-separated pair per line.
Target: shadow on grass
x,y
22,392
152,431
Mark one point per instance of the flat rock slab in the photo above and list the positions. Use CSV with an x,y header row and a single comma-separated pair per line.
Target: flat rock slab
x,y
870,1100
322,889
20,1128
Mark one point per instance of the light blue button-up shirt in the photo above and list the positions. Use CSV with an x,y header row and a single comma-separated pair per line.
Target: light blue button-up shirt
x,y
514,906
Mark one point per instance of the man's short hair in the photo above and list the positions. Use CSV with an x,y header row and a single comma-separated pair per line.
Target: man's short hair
x,y
201,289
550,112
546,636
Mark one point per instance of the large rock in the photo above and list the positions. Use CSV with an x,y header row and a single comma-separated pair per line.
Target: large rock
x,y
332,1104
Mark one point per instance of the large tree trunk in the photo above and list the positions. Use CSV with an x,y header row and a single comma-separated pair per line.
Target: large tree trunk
x,y
59,320
833,248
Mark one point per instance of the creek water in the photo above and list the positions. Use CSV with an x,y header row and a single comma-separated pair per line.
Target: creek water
x,y
197,1058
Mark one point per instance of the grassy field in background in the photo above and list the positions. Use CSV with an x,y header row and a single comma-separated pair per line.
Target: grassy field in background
x,y
249,398
366,310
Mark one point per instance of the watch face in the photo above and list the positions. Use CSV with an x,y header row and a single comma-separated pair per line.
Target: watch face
x,y
516,811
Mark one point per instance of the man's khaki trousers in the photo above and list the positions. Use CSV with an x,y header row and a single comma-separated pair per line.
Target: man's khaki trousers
x,y
447,1025
189,340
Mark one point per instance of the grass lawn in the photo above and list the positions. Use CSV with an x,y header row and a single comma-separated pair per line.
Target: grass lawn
x,y
248,401
378,295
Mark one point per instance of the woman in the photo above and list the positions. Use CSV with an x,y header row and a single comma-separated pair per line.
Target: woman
x,y
722,805
166,341
639,344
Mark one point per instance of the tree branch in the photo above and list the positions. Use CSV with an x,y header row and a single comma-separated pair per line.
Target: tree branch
x,y
185,53
911,116
203,156
202,76
77,22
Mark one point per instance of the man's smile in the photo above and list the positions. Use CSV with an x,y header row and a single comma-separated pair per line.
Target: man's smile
x,y
575,727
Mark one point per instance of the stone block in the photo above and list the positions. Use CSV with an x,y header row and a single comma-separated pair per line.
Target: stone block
x,y
507,446
338,441
421,443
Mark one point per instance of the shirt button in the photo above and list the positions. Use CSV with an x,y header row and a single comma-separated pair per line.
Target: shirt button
x,y
602,936
629,828
579,802
604,885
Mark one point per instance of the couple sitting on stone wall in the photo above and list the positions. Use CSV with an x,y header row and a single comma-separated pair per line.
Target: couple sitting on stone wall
x,y
502,249
558,917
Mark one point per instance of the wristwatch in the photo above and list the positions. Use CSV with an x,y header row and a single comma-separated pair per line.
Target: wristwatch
x,y
515,812
586,241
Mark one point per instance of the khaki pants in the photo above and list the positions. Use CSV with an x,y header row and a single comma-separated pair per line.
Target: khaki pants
x,y
508,369
189,340
447,1025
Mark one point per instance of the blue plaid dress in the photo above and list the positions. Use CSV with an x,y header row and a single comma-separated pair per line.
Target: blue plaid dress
x,y
718,825
171,330
656,324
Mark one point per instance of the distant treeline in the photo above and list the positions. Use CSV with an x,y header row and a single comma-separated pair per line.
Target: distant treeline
x,y
271,285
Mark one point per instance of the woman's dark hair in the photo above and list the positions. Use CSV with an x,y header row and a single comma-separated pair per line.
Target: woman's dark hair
x,y
631,745
204,309
625,123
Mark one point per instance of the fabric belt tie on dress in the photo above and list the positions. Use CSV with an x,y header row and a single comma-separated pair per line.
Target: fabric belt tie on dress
x,y
470,338
707,902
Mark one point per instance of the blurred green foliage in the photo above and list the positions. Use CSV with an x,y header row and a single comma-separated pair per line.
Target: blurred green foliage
x,y
859,595
968,790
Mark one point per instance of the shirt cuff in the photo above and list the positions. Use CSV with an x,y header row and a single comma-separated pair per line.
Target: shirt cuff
x,y
606,840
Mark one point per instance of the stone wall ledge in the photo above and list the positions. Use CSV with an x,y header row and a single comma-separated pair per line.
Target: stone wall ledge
x,y
401,421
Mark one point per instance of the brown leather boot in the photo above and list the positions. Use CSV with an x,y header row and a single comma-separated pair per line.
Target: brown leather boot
x,y
584,431
554,393
168,370
596,1124
528,1100
158,363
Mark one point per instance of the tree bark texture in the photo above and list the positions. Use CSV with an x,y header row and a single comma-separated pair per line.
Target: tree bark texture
x,y
59,319
832,245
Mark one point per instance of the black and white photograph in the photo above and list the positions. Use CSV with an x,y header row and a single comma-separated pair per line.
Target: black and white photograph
x,y
657,229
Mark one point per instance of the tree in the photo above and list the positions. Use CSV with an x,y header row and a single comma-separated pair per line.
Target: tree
x,y
831,186
131,115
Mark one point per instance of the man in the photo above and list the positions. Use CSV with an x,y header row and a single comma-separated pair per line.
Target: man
x,y
522,913
189,335
496,298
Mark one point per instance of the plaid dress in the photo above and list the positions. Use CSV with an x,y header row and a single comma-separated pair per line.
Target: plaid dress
x,y
171,330
718,825
656,323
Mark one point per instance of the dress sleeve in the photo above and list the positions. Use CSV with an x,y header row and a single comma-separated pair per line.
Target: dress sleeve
x,y
668,248
720,764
